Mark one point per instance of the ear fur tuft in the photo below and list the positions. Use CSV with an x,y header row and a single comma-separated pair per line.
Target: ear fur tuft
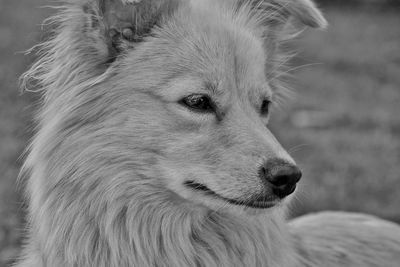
x,y
278,12
121,24
307,13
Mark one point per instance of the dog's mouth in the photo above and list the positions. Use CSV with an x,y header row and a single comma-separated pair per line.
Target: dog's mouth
x,y
258,203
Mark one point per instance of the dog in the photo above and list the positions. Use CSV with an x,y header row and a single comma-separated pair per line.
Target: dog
x,y
152,146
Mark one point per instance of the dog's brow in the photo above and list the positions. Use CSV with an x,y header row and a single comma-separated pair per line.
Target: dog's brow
x,y
212,87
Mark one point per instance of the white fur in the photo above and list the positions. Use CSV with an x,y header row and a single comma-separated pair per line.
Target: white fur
x,y
104,172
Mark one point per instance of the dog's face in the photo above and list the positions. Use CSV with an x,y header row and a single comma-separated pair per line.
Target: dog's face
x,y
217,107
198,103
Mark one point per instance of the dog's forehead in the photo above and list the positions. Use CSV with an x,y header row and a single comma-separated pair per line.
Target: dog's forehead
x,y
222,49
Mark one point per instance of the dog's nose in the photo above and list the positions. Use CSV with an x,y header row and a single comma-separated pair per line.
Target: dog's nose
x,y
281,176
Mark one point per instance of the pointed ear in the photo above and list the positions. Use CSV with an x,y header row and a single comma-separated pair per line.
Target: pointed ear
x,y
118,25
279,12
279,21
305,11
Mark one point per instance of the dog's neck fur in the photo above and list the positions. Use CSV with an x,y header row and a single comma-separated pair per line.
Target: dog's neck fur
x,y
201,237
159,231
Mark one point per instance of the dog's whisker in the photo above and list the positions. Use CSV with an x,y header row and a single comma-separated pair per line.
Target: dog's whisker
x,y
297,148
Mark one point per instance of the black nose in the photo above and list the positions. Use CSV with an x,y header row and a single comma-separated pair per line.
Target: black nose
x,y
281,175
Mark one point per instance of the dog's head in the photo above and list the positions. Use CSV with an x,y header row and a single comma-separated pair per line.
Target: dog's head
x,y
190,84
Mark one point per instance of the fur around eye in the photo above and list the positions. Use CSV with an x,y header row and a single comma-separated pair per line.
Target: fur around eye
x,y
265,107
198,103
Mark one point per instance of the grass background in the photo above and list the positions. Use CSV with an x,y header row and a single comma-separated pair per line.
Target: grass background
x,y
343,126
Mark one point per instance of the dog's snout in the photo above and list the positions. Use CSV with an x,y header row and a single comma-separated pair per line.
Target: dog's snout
x,y
281,176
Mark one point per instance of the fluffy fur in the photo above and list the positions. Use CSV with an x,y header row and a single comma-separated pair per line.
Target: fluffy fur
x,y
105,172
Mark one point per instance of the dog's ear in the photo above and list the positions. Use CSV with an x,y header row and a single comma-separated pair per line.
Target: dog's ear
x,y
115,26
279,12
279,21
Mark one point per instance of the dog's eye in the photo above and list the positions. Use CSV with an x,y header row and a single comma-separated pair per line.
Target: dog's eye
x,y
265,107
199,103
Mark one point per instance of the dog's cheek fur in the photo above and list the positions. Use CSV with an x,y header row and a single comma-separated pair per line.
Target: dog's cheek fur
x,y
223,160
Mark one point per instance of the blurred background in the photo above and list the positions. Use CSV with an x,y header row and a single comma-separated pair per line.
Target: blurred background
x,y
342,126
